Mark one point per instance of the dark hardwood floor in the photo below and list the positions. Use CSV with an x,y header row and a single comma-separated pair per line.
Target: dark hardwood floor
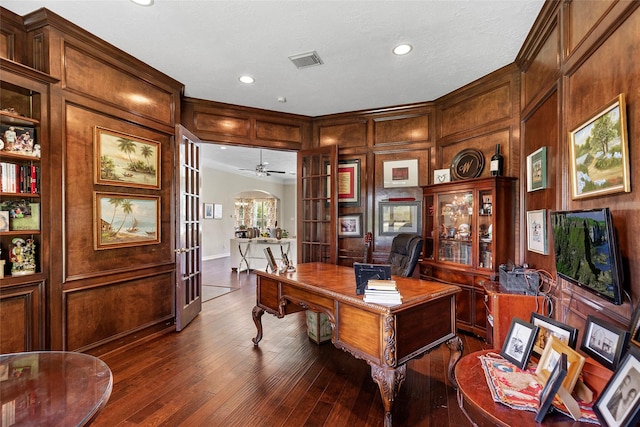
x,y
211,374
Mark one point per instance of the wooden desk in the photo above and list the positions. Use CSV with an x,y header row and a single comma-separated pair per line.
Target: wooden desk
x,y
474,398
53,388
385,337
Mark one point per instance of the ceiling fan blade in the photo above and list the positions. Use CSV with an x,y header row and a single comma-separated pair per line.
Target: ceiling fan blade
x,y
270,171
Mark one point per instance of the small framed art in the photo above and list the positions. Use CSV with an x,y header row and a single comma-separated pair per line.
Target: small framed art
x,y
551,387
537,170
350,225
441,176
537,231
349,182
547,328
400,173
619,402
549,358
604,342
399,217
519,342
208,211
217,211
634,331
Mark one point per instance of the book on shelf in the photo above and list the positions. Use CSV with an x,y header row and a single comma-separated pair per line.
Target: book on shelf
x,y
19,178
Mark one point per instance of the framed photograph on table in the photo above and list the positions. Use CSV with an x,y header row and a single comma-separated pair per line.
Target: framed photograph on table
x,y
537,231
350,225
519,342
619,402
551,387
553,350
399,217
604,342
126,160
548,327
400,173
599,156
634,331
537,170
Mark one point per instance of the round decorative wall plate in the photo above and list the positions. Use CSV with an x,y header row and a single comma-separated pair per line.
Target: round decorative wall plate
x,y
467,164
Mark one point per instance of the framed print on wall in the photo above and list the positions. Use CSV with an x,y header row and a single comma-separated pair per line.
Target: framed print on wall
x,y
217,211
537,231
126,160
124,220
399,217
400,173
537,170
207,211
350,225
599,153
349,182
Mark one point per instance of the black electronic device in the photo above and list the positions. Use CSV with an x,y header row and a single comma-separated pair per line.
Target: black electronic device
x,y
586,251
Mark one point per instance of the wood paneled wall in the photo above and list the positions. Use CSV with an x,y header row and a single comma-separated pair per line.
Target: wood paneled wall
x,y
100,300
579,56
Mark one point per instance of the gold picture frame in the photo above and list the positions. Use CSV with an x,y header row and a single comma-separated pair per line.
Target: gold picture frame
x,y
125,160
125,220
599,153
550,356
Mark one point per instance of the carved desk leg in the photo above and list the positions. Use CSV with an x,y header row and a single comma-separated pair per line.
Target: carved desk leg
x,y
257,313
389,381
455,349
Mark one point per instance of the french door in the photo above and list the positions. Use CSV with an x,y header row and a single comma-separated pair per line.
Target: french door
x,y
188,249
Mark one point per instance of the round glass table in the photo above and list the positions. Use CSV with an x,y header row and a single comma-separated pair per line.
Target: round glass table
x,y
52,388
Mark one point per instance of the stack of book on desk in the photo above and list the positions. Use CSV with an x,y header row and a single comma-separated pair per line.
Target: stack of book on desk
x,y
382,292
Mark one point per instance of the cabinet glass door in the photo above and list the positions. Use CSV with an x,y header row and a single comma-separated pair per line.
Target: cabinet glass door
x,y
455,217
485,229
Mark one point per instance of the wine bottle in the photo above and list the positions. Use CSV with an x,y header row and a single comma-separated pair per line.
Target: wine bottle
x,y
497,161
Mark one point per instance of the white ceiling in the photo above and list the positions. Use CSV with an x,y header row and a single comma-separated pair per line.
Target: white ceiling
x,y
208,44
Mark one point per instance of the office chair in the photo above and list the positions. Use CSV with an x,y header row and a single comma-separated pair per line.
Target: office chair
x,y
404,255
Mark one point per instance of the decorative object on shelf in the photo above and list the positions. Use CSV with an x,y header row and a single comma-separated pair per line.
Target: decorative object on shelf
x,y
467,164
18,139
537,231
400,173
126,160
207,211
4,221
548,327
549,358
551,387
23,214
123,220
22,256
599,153
604,342
619,402
399,217
519,342
441,176
350,225
537,170
497,162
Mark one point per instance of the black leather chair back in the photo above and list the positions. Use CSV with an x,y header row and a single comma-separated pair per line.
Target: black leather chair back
x,y
404,255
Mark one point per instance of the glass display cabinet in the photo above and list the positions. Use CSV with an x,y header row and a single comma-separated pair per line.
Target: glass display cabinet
x,y
468,233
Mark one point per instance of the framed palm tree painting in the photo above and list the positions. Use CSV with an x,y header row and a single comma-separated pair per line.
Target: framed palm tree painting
x,y
124,220
126,160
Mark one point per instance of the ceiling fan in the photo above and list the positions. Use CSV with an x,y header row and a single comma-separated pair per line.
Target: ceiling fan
x,y
261,168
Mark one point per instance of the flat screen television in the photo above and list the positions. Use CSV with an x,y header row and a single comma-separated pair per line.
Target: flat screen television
x,y
587,253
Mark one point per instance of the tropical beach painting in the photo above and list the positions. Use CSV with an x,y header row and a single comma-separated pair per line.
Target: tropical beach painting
x,y
123,220
599,159
126,160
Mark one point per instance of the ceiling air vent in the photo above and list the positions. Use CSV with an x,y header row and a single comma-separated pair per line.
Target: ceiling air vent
x,y
304,60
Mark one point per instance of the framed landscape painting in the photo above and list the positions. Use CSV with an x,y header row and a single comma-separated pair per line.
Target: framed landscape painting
x,y
126,160
123,220
599,153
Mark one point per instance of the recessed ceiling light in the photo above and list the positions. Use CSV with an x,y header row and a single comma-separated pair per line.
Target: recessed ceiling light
x,y
402,49
246,79
143,2
223,147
